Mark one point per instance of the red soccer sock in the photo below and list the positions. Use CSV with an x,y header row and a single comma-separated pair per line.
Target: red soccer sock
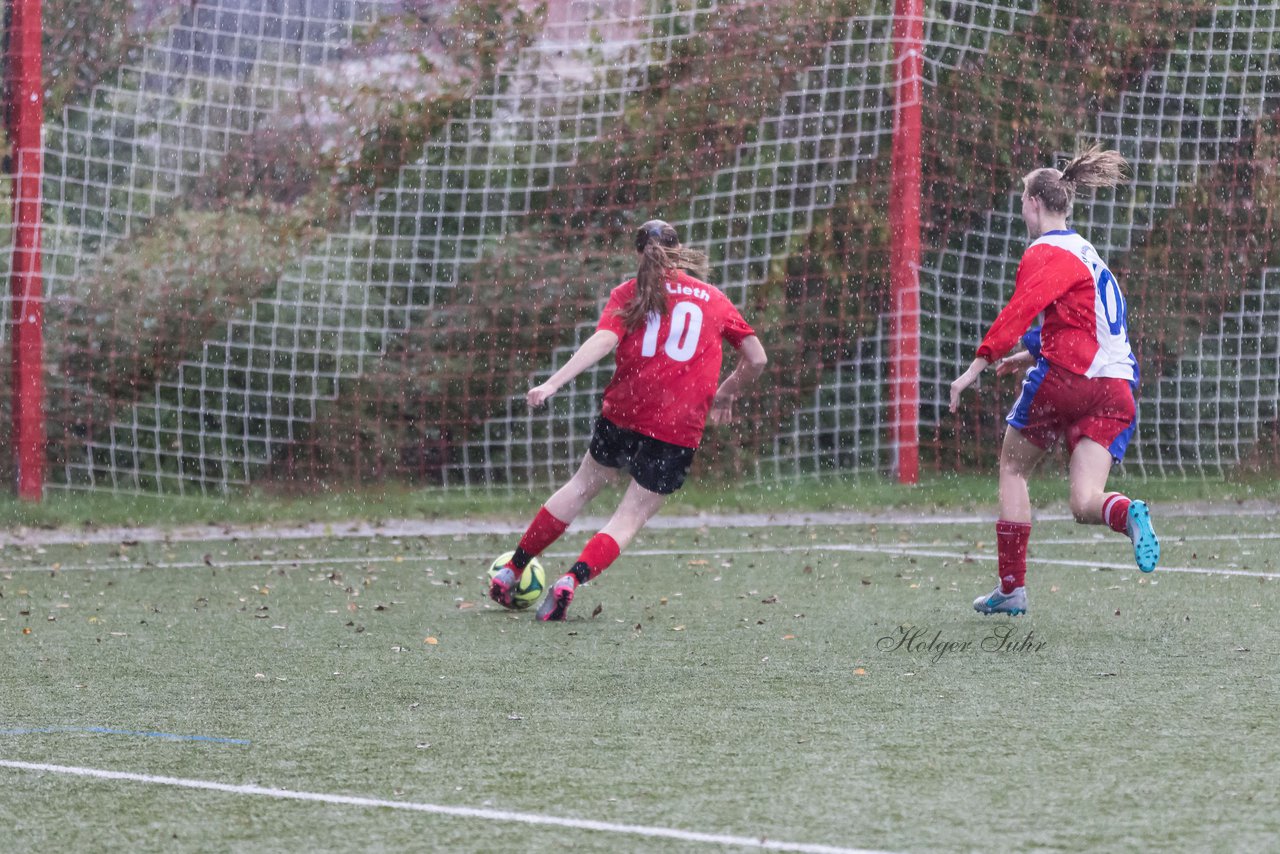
x,y
1011,551
544,530
1115,512
600,551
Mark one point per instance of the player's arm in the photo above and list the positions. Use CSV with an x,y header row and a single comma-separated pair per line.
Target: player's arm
x,y
968,378
1015,363
1022,359
1044,275
751,362
592,350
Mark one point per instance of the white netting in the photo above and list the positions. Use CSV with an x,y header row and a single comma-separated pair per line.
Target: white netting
x,y
756,211
138,143
226,412
1192,101
1171,127
1209,414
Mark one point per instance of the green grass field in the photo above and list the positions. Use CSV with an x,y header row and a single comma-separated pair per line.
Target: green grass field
x,y
816,687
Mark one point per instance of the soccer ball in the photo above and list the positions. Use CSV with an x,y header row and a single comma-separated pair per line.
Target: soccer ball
x,y
532,581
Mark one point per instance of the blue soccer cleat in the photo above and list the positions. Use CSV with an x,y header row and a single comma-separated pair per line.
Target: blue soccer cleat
x,y
556,603
995,602
1146,545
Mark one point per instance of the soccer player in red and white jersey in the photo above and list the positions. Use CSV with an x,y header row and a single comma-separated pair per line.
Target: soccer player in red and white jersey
x,y
668,328
1081,381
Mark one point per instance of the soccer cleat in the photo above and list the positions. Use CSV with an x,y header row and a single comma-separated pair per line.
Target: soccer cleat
x,y
1146,545
502,586
996,602
556,603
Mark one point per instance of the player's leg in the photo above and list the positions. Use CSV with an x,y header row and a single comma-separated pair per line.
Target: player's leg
x,y
1018,460
657,470
569,500
1091,504
550,522
1098,440
637,507
1090,466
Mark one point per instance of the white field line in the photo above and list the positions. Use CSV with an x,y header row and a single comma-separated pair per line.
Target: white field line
x,y
460,527
914,551
899,550
436,809
398,528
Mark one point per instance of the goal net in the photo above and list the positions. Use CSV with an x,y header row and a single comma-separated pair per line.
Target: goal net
x,y
307,244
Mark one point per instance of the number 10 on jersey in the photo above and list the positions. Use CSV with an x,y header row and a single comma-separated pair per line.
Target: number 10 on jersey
x,y
682,339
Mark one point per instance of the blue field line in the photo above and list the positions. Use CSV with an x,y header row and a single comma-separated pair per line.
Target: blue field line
x,y
101,730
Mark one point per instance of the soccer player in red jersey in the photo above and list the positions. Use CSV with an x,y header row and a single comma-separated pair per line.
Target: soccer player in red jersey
x,y
668,328
1081,380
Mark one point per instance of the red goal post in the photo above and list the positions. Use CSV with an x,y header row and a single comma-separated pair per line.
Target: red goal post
x,y
24,108
904,224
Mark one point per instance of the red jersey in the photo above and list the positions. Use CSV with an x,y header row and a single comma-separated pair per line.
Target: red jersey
x,y
1085,328
669,368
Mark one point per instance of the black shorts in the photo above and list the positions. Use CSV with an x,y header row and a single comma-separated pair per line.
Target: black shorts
x,y
658,466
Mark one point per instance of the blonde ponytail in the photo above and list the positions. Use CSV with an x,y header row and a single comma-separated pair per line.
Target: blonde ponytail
x,y
1093,167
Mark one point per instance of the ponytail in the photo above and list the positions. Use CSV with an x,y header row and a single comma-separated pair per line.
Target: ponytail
x,y
651,293
660,256
1092,167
